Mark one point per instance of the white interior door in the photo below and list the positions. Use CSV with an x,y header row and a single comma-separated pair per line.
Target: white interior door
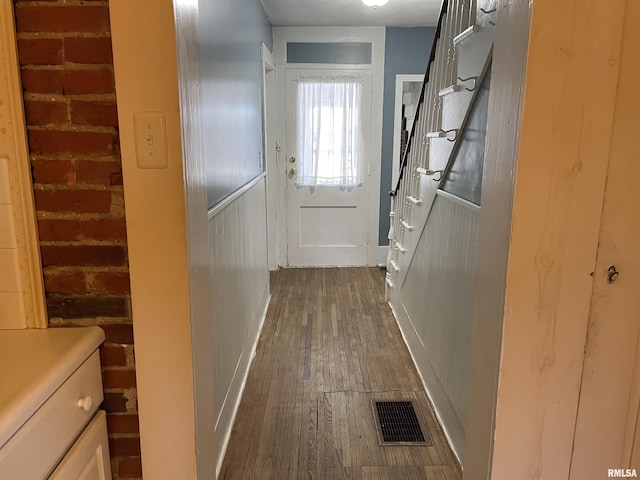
x,y
327,166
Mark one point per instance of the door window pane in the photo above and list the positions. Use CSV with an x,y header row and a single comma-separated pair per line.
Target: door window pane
x,y
329,132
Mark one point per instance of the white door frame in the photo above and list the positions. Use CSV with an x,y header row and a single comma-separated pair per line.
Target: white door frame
x,y
270,159
373,35
401,79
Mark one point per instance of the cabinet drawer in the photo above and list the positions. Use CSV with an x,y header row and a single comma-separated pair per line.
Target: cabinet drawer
x,y
37,447
88,459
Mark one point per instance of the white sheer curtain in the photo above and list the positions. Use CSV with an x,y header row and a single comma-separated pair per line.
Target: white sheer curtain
x,y
329,132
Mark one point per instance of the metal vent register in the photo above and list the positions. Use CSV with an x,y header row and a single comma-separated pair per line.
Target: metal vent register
x,y
398,423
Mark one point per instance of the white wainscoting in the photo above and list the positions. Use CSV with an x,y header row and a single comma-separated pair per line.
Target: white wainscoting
x,y
434,309
239,297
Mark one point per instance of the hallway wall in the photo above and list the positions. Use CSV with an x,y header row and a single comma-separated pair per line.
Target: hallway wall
x,y
199,285
230,35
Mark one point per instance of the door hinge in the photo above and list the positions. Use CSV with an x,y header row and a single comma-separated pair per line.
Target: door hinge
x,y
369,169
367,237
278,147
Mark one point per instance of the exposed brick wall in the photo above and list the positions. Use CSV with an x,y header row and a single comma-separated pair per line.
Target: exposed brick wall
x,y
70,103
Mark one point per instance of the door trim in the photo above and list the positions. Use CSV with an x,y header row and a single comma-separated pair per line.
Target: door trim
x,y
15,151
401,79
373,35
270,158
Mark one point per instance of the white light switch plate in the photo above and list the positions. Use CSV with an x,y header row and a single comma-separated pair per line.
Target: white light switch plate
x,y
151,139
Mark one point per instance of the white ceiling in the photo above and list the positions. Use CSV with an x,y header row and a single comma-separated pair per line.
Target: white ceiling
x,y
396,13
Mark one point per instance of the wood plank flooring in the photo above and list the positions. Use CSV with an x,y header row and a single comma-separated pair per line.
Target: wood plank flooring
x,y
329,346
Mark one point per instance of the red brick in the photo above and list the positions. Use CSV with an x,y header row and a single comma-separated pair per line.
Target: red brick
x,y
45,113
116,179
94,113
99,173
88,50
58,141
111,282
58,230
130,468
119,378
104,229
39,18
81,82
53,171
114,402
68,82
113,356
121,334
126,446
42,81
86,306
127,423
83,255
65,283
77,201
44,51
72,230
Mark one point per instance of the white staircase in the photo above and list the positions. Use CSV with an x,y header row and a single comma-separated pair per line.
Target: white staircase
x,y
459,58
430,276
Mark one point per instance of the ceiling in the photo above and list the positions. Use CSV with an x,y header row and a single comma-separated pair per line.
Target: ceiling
x,y
396,13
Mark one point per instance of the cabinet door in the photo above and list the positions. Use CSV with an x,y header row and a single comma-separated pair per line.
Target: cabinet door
x,y
88,458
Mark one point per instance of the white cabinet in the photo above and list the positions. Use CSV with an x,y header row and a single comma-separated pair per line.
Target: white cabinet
x,y
88,459
50,426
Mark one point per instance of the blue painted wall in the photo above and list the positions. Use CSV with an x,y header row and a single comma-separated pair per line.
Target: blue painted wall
x,y
406,52
230,35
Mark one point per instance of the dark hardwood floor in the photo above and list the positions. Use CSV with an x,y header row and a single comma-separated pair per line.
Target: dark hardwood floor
x,y
329,346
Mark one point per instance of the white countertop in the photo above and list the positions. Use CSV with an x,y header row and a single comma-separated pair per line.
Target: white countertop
x,y
33,364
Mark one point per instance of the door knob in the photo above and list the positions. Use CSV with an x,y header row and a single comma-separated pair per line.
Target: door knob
x,y
292,159
292,171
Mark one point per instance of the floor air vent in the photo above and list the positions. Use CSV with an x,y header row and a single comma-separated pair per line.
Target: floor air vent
x,y
398,423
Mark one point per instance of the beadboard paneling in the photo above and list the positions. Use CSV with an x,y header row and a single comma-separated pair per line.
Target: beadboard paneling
x,y
239,295
11,302
437,297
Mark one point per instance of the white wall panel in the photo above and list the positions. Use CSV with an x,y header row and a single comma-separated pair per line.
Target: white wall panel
x,y
239,295
437,298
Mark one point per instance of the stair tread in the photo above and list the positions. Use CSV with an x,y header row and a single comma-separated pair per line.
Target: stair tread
x,y
414,200
466,34
450,89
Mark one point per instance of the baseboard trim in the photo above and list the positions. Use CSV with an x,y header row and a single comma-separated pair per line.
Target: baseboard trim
x,y
251,353
383,251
